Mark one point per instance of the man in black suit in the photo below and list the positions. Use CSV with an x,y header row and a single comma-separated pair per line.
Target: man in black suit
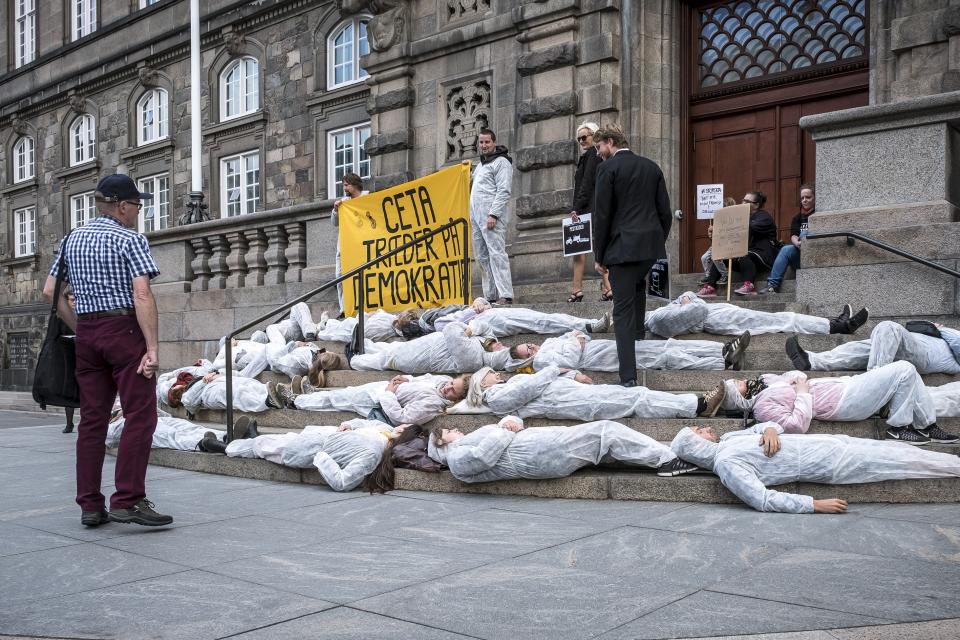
x,y
631,220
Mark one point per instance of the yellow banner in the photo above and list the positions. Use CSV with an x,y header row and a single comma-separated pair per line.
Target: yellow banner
x,y
429,274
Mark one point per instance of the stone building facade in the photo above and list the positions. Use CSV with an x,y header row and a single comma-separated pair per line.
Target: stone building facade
x,y
295,92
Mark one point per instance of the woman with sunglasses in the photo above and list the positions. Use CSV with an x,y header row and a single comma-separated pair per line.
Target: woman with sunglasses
x,y
583,183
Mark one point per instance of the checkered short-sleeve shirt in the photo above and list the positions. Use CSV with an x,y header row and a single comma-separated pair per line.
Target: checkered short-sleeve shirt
x,y
102,259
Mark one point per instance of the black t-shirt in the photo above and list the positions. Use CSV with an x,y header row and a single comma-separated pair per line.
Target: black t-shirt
x,y
798,227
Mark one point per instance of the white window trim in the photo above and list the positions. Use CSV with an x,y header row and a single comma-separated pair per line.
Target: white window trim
x,y
146,3
28,168
83,12
224,201
332,154
89,208
244,88
160,129
89,148
149,184
360,74
28,42
26,238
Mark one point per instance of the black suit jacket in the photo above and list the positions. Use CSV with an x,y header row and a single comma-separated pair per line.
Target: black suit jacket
x,y
631,211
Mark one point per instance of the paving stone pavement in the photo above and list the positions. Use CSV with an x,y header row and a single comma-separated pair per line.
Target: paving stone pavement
x,y
253,559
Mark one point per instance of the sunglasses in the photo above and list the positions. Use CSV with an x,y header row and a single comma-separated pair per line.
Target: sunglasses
x,y
582,138
745,201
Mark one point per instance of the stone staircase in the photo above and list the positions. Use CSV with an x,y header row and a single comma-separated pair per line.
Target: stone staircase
x,y
766,354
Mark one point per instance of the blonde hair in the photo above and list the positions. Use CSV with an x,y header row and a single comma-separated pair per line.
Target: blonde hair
x,y
592,127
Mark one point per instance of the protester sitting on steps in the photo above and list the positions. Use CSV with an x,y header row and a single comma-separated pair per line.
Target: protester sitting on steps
x,y
793,402
749,461
789,254
507,450
690,314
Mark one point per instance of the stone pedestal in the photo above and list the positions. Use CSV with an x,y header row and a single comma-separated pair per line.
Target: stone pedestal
x,y
890,172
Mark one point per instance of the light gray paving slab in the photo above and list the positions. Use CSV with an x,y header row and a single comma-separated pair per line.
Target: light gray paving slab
x,y
892,588
198,483
948,514
72,569
353,569
932,630
500,533
606,511
527,598
17,539
193,604
705,614
64,521
213,543
344,623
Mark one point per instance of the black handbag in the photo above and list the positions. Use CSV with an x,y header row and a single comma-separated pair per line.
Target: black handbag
x,y
54,379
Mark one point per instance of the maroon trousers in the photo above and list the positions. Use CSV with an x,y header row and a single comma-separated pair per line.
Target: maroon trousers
x,y
109,351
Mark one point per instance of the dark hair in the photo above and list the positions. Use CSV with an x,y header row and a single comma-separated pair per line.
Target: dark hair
x,y
488,132
808,185
760,197
515,352
352,179
381,478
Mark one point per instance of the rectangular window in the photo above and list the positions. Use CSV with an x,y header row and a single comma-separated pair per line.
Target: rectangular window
x,y
25,31
83,17
347,155
25,223
240,184
146,3
83,209
155,213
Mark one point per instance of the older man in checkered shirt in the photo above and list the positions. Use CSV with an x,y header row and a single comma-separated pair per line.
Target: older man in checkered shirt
x,y
109,268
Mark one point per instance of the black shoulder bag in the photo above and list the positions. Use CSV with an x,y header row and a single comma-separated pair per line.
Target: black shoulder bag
x,y
54,380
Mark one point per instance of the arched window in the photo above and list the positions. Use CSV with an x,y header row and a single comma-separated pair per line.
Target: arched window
x,y
83,139
240,88
152,116
344,48
23,159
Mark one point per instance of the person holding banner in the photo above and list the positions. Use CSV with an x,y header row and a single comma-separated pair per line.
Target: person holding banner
x,y
352,188
632,218
489,199
583,184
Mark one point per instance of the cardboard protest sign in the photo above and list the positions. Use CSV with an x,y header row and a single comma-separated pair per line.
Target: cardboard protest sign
x,y
731,229
577,236
709,200
658,280
427,275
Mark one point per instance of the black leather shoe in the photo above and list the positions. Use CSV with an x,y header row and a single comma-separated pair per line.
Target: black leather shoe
x,y
629,383
211,444
94,518
68,429
140,513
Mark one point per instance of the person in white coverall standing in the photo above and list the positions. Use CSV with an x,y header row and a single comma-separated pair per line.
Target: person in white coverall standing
x,y
489,199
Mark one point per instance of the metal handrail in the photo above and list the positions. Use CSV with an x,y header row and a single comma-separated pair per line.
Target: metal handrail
x,y
851,235
228,344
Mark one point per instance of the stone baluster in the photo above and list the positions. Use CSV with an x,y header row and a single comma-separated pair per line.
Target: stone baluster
x,y
219,270
296,252
237,261
256,263
276,255
200,265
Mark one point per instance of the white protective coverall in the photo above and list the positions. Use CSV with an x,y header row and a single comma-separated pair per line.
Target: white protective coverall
x,y
547,394
416,402
377,326
511,321
249,357
946,399
447,351
889,342
724,319
282,352
490,196
494,453
166,380
743,468
343,458
171,433
601,355
248,395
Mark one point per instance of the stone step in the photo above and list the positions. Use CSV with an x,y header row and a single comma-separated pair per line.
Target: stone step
x,y
591,484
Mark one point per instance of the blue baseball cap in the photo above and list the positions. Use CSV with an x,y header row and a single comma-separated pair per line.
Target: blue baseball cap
x,y
118,186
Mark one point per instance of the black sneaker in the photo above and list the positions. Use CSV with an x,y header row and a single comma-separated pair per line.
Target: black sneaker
x,y
140,513
211,443
936,434
859,319
712,400
94,518
798,357
775,288
846,312
733,351
908,435
676,467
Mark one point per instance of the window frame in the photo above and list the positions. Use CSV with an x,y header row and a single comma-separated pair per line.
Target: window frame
x,y
28,18
160,127
149,184
88,150
25,246
245,87
334,186
28,168
83,18
244,185
90,209
358,73
148,3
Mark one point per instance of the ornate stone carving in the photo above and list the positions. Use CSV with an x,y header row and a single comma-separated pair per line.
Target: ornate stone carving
x,y
233,42
388,25
19,126
468,110
457,9
256,262
200,265
148,76
77,103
